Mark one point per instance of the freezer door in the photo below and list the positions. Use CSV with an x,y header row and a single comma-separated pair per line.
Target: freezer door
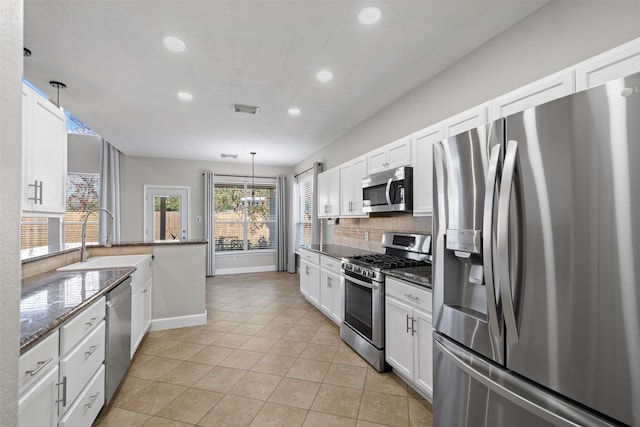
x,y
472,392
573,269
466,177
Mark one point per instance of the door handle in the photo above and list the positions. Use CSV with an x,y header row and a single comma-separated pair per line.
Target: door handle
x,y
487,240
388,192
504,281
40,366
92,349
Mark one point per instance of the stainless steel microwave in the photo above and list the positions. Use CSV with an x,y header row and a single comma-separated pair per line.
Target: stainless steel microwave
x,y
388,191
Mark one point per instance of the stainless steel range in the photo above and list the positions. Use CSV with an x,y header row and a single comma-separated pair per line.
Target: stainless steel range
x,y
363,283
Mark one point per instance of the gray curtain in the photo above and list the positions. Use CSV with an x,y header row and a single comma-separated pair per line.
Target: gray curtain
x,y
110,189
315,224
209,223
293,216
282,254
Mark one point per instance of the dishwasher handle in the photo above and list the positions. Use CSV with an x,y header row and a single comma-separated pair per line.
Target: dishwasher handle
x,y
119,293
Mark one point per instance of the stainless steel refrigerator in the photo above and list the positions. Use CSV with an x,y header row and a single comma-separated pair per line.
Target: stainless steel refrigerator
x,y
536,266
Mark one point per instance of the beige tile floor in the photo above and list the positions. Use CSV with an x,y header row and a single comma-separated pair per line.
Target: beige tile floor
x,y
266,357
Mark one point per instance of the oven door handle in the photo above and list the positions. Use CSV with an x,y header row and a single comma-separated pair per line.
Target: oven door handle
x,y
360,282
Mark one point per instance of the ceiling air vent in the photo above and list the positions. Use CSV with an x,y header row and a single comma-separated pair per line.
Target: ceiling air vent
x,y
239,108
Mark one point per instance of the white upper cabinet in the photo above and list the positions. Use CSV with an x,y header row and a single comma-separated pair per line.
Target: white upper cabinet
x,y
44,155
466,120
615,63
351,176
422,145
391,156
329,193
537,93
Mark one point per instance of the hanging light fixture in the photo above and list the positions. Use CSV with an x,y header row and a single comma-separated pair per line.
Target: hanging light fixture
x,y
253,200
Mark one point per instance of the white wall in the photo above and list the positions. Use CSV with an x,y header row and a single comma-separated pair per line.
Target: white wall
x,y
139,171
558,35
83,153
11,43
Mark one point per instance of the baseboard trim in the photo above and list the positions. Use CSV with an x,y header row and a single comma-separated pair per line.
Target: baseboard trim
x,y
240,270
178,322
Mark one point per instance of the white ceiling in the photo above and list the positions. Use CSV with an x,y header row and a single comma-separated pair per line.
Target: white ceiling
x,y
122,81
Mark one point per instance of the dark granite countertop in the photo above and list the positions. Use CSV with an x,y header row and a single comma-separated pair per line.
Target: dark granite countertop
x,y
337,251
420,275
49,299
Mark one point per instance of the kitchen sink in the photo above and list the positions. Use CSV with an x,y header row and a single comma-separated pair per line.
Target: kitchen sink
x,y
106,262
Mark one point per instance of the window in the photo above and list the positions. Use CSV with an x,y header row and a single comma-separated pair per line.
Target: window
x,y
34,232
82,196
241,224
305,206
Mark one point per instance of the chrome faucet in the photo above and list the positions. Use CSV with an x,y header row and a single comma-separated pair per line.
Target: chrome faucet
x,y
84,254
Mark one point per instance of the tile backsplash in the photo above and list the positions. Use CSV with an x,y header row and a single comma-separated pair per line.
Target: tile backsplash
x,y
351,231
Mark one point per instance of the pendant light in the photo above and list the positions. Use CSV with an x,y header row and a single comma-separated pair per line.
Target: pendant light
x,y
58,85
253,200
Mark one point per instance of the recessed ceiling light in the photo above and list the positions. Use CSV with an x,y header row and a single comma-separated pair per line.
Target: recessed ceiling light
x,y
324,75
369,15
185,96
294,111
174,44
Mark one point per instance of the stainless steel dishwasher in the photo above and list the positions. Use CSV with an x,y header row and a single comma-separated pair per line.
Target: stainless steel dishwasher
x,y
118,336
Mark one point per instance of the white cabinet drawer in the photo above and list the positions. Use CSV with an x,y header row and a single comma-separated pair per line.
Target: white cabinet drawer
x,y
85,409
81,363
74,330
312,257
408,293
330,263
38,361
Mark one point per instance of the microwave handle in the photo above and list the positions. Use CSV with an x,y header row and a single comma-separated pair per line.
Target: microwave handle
x,y
388,193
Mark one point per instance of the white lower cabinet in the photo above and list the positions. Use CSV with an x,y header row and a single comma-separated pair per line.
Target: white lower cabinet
x,y
409,332
320,283
38,405
141,293
86,407
310,281
331,292
80,365
38,384
82,354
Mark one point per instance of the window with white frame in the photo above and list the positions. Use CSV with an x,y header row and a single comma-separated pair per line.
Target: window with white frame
x,y
245,216
305,207
83,196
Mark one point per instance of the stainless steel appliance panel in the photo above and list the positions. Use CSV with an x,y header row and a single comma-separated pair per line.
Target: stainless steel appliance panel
x,y
465,304
118,336
472,392
574,276
388,191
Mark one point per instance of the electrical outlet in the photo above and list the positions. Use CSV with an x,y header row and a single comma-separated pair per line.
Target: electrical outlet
x,y
366,236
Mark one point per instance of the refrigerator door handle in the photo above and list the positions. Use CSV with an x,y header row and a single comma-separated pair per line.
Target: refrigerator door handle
x,y
504,281
529,398
487,241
